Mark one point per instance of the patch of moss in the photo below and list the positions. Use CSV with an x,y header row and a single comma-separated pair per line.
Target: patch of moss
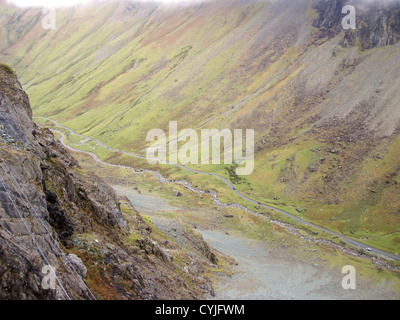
x,y
6,68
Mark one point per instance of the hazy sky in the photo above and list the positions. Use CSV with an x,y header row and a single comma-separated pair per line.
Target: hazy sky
x,y
47,3
60,3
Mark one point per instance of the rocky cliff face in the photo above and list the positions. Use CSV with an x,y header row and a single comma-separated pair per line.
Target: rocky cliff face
x,y
377,23
54,213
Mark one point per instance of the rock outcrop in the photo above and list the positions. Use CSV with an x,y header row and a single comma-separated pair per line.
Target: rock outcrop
x,y
377,22
53,213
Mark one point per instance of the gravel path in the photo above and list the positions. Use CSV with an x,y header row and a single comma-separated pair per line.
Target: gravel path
x,y
145,203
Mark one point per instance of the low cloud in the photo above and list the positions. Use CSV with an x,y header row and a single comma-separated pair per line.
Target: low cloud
x,y
67,3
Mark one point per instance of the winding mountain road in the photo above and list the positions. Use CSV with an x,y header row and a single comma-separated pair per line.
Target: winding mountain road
x,y
352,242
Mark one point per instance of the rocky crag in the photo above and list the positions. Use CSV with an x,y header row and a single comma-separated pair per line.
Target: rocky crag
x,y
377,22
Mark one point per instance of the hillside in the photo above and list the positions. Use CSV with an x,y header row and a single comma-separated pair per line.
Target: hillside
x,y
323,101
53,212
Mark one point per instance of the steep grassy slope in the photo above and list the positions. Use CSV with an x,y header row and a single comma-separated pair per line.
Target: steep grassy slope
x,y
323,100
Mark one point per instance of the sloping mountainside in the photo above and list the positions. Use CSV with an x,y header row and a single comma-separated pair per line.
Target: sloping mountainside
x,y
54,213
323,100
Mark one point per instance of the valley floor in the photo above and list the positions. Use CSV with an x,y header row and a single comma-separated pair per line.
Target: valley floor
x,y
269,261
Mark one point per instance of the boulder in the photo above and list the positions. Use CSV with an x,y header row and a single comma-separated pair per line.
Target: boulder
x,y
177,194
78,265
